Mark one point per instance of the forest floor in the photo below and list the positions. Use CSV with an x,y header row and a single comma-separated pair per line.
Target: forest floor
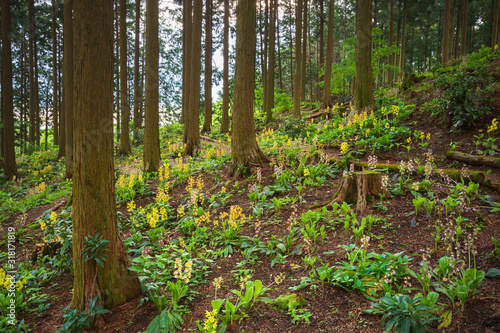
x,y
332,305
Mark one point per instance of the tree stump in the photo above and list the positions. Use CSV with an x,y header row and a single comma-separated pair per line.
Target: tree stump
x,y
358,187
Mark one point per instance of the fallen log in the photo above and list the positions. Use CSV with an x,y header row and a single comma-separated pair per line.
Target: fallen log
x,y
473,159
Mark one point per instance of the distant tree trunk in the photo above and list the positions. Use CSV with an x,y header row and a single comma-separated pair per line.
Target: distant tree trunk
x,y
141,91
9,153
321,62
495,35
117,62
68,84
31,36
298,59
398,39
207,122
187,22
47,101
94,207
446,32
151,126
391,38
224,125
291,51
270,71
452,29
125,148
304,54
403,42
264,56
192,114
363,87
457,29
54,74
245,151
137,114
329,55
277,24
463,41
37,95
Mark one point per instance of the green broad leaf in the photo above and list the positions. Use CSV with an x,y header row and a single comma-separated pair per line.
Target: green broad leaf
x,y
492,272
446,317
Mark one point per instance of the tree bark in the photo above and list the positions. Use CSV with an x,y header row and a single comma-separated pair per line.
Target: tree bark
x,y
9,153
117,61
321,46
473,159
125,148
363,87
446,32
329,56
270,71
192,113
403,42
277,24
68,84
245,151
358,186
137,115
94,205
207,122
224,125
37,95
463,41
298,60
54,75
304,54
151,126
391,40
31,36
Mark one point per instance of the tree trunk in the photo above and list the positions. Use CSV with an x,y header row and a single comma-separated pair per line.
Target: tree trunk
x,y
446,32
94,205
463,41
391,39
151,125
68,84
117,62
298,60
54,75
358,186
207,122
137,115
363,87
270,71
493,162
9,153
403,42
23,93
31,36
224,125
495,34
457,29
264,55
329,56
304,55
141,91
192,113
245,151
291,51
125,148
321,62
277,24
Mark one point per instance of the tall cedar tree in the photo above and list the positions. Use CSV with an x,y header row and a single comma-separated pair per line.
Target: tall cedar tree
x,y
9,153
329,55
245,151
391,38
32,98
192,111
54,75
68,84
94,205
137,115
321,44
207,123
125,111
151,125
187,25
224,125
403,43
463,42
263,52
304,54
446,32
363,86
270,70
298,60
